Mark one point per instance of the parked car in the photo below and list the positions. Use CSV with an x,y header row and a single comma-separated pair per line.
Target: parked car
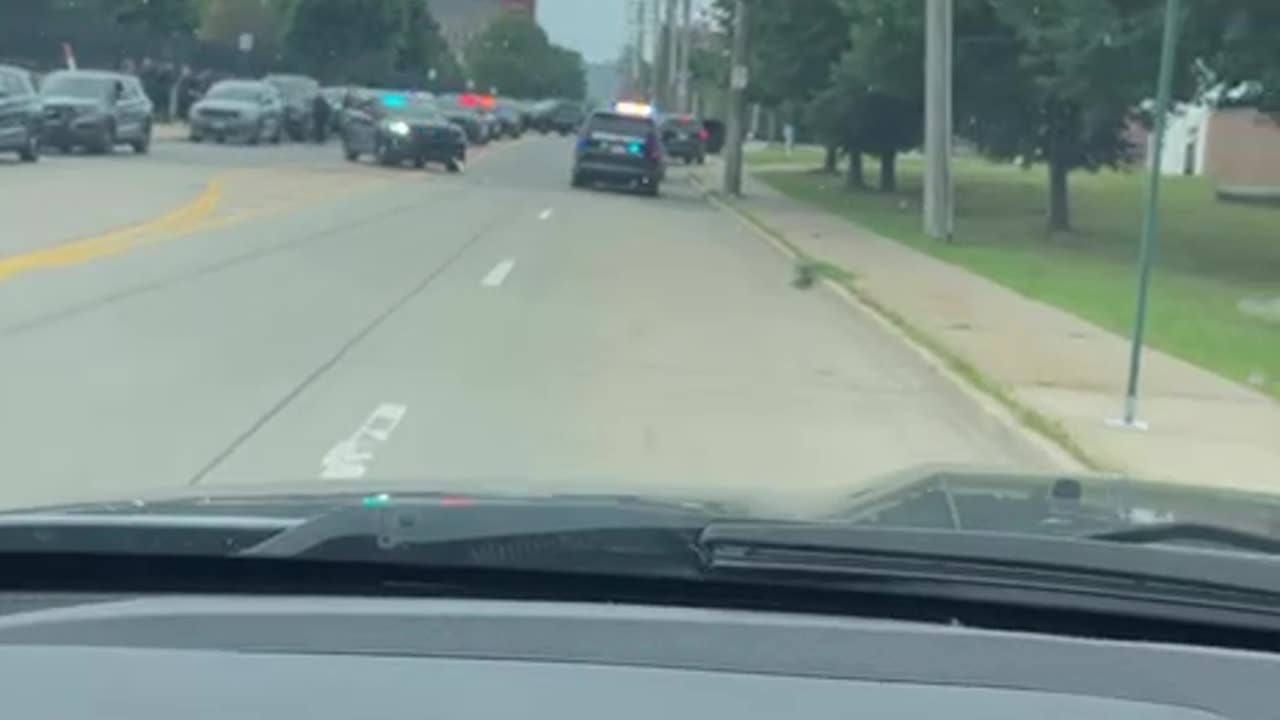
x,y
684,137
20,114
398,128
96,110
566,117
246,110
507,113
299,93
478,128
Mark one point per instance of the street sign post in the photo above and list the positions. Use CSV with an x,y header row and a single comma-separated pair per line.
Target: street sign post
x,y
1151,206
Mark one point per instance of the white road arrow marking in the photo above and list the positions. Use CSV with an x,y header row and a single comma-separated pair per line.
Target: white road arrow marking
x,y
350,458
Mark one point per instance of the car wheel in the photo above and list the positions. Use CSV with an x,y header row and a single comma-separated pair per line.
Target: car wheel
x,y
702,159
578,181
455,165
351,155
30,152
651,189
277,135
419,163
195,137
107,143
258,132
142,145
383,154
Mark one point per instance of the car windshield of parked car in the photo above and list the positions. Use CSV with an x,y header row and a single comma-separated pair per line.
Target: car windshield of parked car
x,y
79,86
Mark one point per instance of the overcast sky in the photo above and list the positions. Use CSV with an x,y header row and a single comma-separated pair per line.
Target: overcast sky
x,y
595,28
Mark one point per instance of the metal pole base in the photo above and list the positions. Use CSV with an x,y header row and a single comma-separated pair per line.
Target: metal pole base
x,y
1126,424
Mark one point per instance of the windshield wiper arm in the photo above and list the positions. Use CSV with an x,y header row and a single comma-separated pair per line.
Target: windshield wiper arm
x,y
1184,532
427,524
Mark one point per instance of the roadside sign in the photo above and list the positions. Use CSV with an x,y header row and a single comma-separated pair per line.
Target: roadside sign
x,y
246,42
739,77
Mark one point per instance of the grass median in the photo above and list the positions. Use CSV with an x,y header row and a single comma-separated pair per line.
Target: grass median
x,y
1215,261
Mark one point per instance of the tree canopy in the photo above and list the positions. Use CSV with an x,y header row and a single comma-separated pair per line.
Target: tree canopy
x,y
514,56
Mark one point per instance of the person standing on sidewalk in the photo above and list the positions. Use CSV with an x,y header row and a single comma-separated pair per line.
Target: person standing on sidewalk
x,y
320,111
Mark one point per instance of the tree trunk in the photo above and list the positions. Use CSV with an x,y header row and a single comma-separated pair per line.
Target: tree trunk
x,y
855,177
889,172
829,164
1059,205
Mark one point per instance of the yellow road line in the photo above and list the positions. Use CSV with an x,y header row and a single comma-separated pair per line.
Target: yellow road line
x,y
118,241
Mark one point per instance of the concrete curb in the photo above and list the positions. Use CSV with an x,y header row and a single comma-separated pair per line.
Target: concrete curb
x,y
1006,409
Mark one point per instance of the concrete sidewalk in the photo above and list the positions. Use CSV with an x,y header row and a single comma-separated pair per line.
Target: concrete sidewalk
x,y
169,132
1203,429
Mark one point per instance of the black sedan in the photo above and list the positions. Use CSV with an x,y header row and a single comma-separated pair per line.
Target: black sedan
x,y
396,128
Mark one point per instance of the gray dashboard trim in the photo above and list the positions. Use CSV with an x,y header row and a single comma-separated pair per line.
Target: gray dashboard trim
x,y
1229,683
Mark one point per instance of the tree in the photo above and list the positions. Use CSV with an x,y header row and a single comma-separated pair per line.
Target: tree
x,y
224,21
346,39
878,85
424,51
1235,41
794,44
1059,82
514,56
158,17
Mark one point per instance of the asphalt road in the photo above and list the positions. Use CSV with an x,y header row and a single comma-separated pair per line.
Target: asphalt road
x,y
210,317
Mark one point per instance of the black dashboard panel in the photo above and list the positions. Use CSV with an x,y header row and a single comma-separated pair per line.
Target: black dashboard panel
x,y
230,657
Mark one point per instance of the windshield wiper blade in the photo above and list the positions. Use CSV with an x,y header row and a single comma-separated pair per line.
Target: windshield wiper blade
x,y
1196,533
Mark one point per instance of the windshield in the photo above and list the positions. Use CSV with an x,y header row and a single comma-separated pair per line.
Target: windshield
x,y
79,86
619,125
774,257
243,93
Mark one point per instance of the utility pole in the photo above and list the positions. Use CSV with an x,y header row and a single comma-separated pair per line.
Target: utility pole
x,y
686,51
673,56
655,82
938,119
641,39
1151,209
635,33
738,80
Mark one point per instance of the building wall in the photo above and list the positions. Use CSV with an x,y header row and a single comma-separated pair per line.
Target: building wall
x,y
1242,150
1184,141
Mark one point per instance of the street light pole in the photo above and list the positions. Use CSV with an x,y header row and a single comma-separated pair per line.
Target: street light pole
x,y
738,79
938,119
1150,213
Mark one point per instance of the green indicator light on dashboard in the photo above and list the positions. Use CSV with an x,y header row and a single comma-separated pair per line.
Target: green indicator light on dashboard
x,y
377,500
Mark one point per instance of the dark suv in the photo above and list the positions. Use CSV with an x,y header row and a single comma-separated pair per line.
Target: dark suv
x,y
96,110
19,114
684,137
620,146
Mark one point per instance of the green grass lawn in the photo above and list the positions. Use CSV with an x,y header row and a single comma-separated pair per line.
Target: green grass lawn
x,y
803,154
1212,255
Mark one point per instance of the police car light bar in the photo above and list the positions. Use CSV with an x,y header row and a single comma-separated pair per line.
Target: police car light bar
x,y
633,108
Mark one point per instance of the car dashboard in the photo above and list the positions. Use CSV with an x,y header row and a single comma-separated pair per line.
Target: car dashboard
x,y
191,656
